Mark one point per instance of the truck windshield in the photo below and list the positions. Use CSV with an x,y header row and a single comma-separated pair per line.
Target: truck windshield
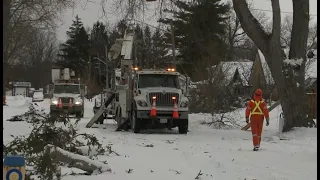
x,y
73,89
158,80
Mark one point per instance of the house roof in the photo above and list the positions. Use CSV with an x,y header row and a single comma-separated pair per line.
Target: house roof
x,y
230,68
56,66
265,68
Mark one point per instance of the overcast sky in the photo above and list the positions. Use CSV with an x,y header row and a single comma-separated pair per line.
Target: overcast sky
x,y
91,12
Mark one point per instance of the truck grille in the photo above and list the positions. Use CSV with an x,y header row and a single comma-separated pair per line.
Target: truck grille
x,y
65,100
164,99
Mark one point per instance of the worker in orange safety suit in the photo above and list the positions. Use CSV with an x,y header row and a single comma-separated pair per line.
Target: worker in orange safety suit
x,y
257,110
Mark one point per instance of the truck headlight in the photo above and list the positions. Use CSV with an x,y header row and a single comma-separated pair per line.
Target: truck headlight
x,y
142,103
54,101
184,104
78,102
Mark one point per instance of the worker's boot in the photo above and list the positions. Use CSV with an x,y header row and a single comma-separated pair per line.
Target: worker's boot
x,y
256,148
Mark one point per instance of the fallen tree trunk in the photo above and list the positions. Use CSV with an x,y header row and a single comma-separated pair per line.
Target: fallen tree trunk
x,y
246,127
76,160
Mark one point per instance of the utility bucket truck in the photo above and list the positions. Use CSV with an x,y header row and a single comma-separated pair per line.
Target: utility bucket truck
x,y
145,98
67,94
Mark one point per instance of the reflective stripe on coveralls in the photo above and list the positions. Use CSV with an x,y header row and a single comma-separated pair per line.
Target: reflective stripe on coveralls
x,y
256,107
260,112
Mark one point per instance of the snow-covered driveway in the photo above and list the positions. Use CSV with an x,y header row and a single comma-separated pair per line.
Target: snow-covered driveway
x,y
219,154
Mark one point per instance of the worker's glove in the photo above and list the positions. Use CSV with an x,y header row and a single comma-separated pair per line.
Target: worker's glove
x,y
267,121
247,120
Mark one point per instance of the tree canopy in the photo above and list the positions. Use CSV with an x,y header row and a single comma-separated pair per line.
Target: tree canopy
x,y
198,28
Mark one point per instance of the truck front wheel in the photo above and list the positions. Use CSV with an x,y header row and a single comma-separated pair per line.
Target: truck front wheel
x,y
135,122
183,126
54,114
79,114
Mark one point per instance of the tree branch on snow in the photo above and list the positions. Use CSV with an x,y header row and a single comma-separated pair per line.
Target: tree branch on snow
x,y
129,171
76,160
198,175
53,132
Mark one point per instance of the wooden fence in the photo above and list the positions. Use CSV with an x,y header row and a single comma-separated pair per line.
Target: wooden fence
x,y
313,104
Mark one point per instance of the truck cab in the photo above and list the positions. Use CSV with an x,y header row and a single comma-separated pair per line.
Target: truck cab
x,y
159,91
67,98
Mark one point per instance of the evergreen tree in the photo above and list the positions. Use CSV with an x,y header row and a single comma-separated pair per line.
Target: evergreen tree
x,y
121,27
99,38
139,44
158,50
75,51
198,28
147,47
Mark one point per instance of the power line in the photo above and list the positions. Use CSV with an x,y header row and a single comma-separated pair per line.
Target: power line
x,y
283,12
250,9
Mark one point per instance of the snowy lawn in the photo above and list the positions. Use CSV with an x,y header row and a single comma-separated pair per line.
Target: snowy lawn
x,y
163,154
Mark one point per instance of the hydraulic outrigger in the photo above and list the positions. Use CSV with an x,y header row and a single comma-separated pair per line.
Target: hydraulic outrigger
x,y
122,94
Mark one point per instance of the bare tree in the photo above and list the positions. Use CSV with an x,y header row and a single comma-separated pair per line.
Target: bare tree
x,y
19,16
42,51
286,29
289,78
312,38
33,62
235,36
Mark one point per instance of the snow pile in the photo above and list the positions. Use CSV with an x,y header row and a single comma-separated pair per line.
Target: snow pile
x,y
18,101
293,62
17,105
9,93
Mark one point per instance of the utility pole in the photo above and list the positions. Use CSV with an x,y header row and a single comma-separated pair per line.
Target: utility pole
x,y
135,55
99,69
89,76
107,68
173,45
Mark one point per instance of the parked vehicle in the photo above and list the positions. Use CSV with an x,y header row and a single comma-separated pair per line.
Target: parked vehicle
x,y
37,96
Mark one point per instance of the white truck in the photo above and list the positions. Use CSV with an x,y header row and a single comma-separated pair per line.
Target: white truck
x,y
67,94
163,88
146,98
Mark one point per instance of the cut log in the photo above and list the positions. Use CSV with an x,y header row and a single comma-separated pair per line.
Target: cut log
x,y
76,160
247,126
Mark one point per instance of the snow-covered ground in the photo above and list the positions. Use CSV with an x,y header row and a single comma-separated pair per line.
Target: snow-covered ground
x,y
219,154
